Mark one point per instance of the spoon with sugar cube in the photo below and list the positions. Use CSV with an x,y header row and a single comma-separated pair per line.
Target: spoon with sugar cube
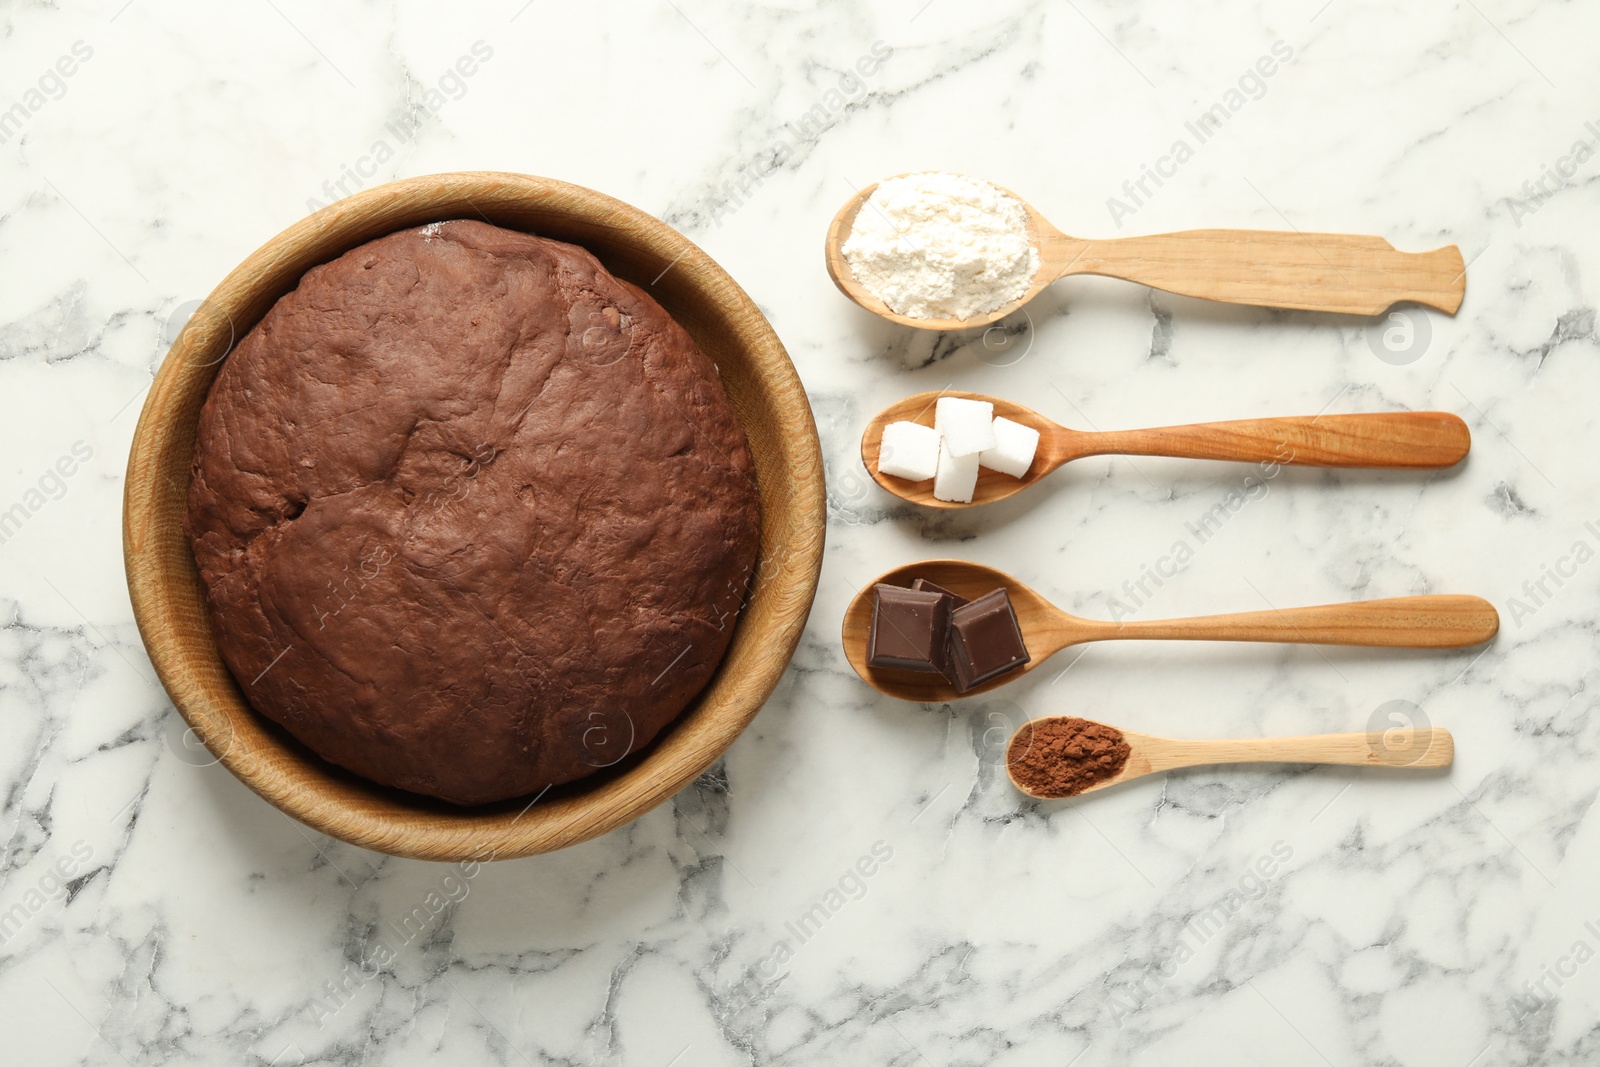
x,y
1341,273
953,449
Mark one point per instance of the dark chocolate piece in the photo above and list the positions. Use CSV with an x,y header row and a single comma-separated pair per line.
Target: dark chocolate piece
x,y
922,585
909,629
985,640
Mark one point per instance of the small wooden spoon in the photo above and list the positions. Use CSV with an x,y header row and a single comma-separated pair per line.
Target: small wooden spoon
x,y
1400,622
1404,440
1427,747
1284,269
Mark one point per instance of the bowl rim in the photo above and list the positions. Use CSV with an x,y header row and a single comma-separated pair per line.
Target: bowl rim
x,y
164,587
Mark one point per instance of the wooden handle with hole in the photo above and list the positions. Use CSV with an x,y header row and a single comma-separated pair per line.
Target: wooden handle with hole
x,y
1400,622
1409,439
1343,273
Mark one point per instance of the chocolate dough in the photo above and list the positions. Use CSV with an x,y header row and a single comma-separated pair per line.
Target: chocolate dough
x,y
472,515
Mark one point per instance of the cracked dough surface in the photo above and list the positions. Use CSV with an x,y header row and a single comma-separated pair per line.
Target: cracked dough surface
x,y
472,515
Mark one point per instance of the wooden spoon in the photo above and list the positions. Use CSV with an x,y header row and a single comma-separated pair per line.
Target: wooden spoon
x,y
1404,439
1306,271
1400,622
1426,747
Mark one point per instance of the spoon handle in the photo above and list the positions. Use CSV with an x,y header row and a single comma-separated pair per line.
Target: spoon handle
x,y
1307,271
1400,622
1407,439
1413,747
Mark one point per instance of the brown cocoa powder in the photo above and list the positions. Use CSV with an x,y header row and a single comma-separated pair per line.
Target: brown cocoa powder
x,y
1061,756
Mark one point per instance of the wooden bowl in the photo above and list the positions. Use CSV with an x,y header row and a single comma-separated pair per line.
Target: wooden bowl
x,y
170,606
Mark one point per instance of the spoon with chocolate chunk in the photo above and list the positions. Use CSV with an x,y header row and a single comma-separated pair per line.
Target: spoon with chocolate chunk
x,y
904,642
1059,756
1400,440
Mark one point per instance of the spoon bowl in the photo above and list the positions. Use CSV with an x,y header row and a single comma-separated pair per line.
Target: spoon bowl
x,y
1398,622
839,267
1035,615
1340,273
1417,748
992,485
1411,440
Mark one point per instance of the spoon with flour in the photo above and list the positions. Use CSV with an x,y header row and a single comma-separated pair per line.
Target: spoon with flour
x,y
945,251
1059,756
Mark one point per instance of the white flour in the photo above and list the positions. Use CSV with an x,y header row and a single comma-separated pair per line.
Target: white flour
x,y
936,246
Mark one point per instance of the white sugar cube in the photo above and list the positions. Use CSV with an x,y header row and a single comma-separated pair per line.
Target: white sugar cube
x,y
909,450
967,425
1014,446
957,477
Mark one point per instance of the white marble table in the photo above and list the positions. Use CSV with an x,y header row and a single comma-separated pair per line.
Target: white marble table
x,y
153,910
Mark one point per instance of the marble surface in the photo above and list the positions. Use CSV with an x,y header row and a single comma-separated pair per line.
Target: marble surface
x,y
856,883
